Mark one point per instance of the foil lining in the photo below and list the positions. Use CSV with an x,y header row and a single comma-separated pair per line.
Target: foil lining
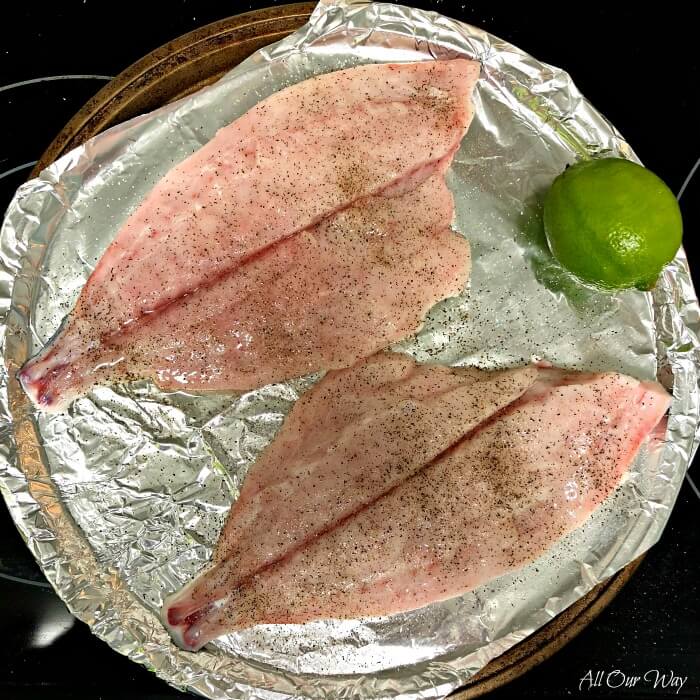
x,y
121,498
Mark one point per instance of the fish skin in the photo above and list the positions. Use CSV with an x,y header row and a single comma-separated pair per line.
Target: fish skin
x,y
494,502
321,299
252,186
336,439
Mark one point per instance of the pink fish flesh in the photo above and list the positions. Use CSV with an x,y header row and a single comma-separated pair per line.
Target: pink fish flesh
x,y
297,157
493,502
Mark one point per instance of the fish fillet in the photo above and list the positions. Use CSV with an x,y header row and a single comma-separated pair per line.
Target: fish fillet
x,y
297,157
355,435
492,503
321,299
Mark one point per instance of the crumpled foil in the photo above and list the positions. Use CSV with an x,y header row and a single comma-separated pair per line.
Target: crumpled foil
x,y
121,498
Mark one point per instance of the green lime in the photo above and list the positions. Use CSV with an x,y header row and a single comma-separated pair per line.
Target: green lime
x,y
612,222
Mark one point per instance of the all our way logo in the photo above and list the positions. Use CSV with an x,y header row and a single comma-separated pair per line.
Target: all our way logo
x,y
653,678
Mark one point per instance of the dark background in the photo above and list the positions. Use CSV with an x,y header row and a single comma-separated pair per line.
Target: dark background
x,y
639,67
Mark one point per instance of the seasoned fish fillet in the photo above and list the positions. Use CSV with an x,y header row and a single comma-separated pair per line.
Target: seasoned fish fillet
x,y
355,435
297,157
496,500
321,299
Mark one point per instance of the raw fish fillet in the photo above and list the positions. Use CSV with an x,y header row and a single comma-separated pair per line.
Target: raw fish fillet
x,y
321,299
495,501
355,435
294,159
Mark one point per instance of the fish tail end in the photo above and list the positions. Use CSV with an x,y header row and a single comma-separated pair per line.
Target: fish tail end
x,y
37,383
187,627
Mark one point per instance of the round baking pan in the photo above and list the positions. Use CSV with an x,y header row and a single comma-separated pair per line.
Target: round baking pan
x,y
199,58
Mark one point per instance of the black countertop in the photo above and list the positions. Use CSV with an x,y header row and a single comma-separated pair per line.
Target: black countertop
x,y
640,68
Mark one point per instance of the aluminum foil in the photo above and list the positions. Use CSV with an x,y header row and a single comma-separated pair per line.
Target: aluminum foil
x,y
121,498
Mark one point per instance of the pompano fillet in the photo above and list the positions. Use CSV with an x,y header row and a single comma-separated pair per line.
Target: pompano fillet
x,y
294,159
322,299
530,466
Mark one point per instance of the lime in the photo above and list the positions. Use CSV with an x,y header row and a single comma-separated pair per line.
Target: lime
x,y
612,222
